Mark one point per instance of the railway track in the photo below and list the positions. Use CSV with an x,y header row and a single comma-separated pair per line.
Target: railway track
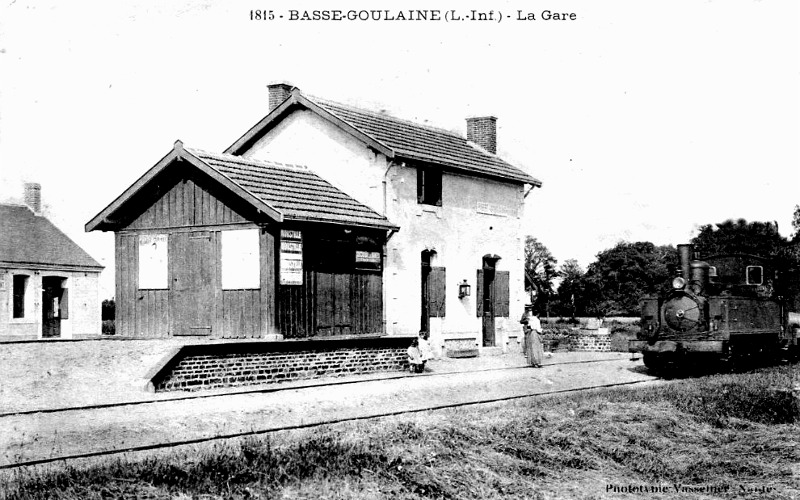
x,y
265,390
222,437
160,444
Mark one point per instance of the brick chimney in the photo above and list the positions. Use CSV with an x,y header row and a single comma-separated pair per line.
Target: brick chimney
x,y
482,130
279,92
33,197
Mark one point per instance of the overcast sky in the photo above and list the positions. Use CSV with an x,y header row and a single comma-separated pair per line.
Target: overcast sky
x,y
643,120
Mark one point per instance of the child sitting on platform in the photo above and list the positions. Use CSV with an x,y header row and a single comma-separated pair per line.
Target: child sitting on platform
x,y
416,363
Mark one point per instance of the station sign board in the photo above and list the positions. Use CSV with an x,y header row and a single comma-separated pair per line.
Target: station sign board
x,y
291,257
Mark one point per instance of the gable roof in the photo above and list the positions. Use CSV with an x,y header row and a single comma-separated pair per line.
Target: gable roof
x,y
393,137
280,192
296,192
28,240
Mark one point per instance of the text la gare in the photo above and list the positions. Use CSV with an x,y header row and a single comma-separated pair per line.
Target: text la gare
x,y
546,15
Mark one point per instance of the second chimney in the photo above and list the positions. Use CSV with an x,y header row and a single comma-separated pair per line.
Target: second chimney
x,y
482,130
33,197
279,92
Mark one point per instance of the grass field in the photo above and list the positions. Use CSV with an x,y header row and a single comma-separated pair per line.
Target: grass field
x,y
733,435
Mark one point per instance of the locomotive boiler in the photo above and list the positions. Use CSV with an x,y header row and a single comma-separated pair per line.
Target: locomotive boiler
x,y
726,306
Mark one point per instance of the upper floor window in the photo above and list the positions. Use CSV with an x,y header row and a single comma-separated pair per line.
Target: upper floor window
x,y
429,186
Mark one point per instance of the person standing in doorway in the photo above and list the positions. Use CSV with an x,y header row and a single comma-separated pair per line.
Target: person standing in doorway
x,y
532,345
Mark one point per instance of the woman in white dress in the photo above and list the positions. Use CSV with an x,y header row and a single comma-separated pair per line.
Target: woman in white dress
x,y
533,344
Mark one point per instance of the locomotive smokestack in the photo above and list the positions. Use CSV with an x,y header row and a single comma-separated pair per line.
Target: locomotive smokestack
x,y
685,254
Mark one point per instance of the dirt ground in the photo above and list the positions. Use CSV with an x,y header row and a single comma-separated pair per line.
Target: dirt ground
x,y
41,376
36,376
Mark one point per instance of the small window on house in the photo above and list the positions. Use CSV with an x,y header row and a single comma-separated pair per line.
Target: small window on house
x,y
755,275
240,260
429,186
153,270
20,290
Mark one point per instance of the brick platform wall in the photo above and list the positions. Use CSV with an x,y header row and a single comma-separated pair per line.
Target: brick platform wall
x,y
196,368
593,343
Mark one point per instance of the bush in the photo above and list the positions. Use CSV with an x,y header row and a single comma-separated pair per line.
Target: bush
x,y
109,327
108,310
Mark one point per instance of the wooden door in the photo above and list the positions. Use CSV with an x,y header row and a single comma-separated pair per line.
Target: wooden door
x,y
425,314
51,319
193,266
334,314
487,300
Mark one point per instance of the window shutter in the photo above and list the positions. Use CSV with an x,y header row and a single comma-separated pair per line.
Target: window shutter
x,y
501,290
436,292
420,185
63,303
479,294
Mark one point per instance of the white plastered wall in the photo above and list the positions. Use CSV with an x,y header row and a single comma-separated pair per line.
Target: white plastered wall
x,y
457,231
84,304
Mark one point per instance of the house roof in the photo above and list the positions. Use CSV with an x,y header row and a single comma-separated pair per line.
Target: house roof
x,y
296,192
279,191
30,240
395,138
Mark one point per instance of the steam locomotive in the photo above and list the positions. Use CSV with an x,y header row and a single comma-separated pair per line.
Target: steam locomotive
x,y
725,306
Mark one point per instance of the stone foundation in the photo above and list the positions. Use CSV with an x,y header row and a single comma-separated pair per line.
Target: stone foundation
x,y
212,366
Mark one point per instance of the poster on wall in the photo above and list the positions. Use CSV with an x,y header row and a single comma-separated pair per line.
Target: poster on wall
x,y
240,260
291,257
153,271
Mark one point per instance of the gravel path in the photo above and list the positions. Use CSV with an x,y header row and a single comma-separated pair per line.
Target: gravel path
x,y
44,435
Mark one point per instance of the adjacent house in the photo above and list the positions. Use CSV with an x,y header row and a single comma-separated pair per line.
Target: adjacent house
x,y
389,228
49,286
455,268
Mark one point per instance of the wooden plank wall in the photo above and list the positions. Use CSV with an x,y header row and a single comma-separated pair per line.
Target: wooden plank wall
x,y
368,303
240,314
326,304
187,203
296,306
139,313
331,304
190,205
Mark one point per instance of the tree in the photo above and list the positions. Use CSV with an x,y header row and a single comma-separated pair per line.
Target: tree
x,y
570,293
107,309
740,236
540,271
622,275
758,238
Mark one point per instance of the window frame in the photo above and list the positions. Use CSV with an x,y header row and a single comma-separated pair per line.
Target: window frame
x,y
24,301
747,275
429,186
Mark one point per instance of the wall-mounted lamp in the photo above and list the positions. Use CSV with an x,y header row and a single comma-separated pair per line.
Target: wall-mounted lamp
x,y
464,289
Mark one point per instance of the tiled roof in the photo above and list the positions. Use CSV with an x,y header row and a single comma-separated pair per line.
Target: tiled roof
x,y
418,142
296,192
29,239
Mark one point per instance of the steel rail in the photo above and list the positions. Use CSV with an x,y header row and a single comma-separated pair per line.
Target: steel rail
x,y
220,437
